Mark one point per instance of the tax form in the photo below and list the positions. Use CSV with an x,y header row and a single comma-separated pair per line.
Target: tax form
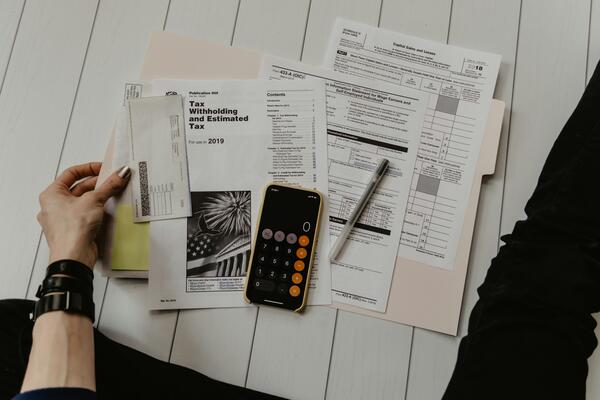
x,y
366,121
241,135
459,84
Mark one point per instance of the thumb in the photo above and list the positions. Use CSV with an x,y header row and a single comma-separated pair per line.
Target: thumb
x,y
113,185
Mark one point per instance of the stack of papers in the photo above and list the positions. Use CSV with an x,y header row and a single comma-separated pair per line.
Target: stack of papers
x,y
380,94
366,121
241,135
458,85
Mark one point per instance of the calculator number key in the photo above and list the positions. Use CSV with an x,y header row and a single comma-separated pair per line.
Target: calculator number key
x,y
264,285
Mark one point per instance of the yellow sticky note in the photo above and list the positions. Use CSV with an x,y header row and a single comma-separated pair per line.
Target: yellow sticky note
x,y
131,242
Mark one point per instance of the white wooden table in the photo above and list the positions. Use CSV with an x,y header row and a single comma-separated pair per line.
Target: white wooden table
x,y
62,67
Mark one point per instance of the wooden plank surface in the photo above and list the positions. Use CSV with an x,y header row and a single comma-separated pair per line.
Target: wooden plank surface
x,y
10,15
122,32
322,16
492,26
290,356
549,79
424,18
552,58
278,334
272,26
212,20
114,56
428,20
383,341
315,360
555,52
593,383
215,342
195,19
127,320
370,358
322,352
431,364
593,55
35,105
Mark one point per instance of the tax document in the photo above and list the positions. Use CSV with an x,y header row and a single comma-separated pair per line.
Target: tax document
x,y
366,121
241,135
458,84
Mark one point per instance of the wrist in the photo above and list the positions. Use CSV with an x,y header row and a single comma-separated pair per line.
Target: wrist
x,y
73,254
62,353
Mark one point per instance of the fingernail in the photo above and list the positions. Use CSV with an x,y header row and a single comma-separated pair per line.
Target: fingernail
x,y
124,172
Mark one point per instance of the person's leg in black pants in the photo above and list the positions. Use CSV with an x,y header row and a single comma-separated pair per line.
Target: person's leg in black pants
x,y
531,331
121,372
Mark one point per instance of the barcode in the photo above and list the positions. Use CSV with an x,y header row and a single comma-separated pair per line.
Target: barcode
x,y
143,171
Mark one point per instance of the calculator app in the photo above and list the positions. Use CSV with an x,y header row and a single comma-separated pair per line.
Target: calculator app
x,y
284,247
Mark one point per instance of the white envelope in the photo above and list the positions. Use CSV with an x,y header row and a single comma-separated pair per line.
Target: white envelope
x,y
160,182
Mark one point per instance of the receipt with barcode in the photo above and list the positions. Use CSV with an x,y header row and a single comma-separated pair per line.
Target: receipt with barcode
x,y
159,164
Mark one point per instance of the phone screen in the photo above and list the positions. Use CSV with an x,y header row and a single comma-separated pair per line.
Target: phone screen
x,y
284,246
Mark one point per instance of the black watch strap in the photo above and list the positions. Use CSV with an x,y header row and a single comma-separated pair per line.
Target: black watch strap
x,y
66,301
64,283
71,268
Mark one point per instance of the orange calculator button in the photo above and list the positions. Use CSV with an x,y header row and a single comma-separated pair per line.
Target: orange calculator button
x,y
294,291
299,265
303,240
301,252
297,278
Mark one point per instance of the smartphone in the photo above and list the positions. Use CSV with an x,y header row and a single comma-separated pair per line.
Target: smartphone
x,y
284,247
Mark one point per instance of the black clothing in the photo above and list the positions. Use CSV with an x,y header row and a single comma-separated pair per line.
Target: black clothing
x,y
121,372
531,331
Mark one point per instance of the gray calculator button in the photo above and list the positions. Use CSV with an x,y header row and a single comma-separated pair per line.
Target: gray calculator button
x,y
279,236
267,234
291,238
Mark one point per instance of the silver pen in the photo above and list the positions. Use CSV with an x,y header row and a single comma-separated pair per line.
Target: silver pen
x,y
360,206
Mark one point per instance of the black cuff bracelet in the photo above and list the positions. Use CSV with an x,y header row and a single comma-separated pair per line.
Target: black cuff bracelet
x,y
71,268
70,291
64,283
66,301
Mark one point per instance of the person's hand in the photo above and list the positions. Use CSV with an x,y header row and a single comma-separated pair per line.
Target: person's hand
x,y
71,211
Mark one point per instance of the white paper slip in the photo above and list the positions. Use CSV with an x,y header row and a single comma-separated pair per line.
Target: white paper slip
x,y
459,84
241,135
158,151
366,121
